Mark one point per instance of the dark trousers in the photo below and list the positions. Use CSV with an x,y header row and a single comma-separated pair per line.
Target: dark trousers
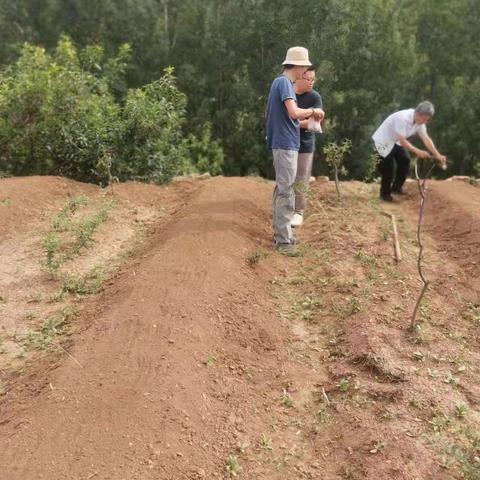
x,y
386,166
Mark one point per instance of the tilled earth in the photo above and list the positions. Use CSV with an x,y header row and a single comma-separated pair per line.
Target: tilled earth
x,y
208,355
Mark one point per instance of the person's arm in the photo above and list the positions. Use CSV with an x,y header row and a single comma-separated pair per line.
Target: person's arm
x,y
427,141
297,113
411,148
319,104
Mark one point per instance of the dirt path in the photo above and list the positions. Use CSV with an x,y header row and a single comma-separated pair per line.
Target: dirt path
x,y
171,363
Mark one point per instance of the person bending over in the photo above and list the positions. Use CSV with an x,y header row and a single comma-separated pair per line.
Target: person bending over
x,y
391,143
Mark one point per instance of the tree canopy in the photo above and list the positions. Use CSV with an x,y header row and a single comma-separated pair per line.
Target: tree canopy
x,y
373,57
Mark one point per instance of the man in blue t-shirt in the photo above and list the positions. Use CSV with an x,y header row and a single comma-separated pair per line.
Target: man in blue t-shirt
x,y
283,139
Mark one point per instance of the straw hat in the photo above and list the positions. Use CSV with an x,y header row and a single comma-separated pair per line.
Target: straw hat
x,y
297,56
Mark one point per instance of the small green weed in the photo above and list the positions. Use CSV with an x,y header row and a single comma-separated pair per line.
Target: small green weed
x,y
347,308
210,361
29,316
307,307
57,296
35,298
323,414
365,259
461,410
286,399
344,385
378,446
233,466
51,242
266,442
439,422
242,447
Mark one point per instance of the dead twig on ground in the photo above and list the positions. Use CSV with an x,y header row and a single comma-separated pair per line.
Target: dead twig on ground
x,y
325,396
396,242
67,352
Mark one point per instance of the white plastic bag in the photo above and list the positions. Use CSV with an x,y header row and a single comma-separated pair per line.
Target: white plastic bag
x,y
314,126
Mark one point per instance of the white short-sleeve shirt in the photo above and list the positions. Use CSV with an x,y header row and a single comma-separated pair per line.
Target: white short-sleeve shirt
x,y
401,123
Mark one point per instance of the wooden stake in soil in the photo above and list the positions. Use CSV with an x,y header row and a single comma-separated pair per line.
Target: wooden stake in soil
x,y
398,252
422,189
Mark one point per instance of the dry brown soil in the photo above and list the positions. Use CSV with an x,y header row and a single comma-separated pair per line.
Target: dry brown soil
x,y
208,355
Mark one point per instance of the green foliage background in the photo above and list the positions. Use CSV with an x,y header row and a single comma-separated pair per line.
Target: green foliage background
x,y
374,57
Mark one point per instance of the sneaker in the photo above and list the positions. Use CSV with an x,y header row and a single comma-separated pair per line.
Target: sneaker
x,y
287,249
297,220
292,241
386,197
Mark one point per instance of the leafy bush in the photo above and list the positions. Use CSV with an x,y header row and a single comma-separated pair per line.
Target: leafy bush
x,y
55,118
64,113
152,147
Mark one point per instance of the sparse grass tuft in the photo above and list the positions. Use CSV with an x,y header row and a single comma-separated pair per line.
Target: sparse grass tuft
x,y
53,326
347,308
255,257
290,251
471,312
61,222
85,230
87,284
57,253
306,308
365,259
57,296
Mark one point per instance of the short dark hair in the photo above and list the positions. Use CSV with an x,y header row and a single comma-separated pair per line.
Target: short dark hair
x,y
311,68
289,67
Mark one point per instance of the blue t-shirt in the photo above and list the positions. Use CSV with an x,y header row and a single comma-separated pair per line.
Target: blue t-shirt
x,y
282,132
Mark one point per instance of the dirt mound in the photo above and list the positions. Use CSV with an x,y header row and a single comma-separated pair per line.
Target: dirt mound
x,y
60,240
453,221
26,199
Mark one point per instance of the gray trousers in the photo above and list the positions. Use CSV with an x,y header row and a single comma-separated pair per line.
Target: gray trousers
x,y
285,164
304,170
